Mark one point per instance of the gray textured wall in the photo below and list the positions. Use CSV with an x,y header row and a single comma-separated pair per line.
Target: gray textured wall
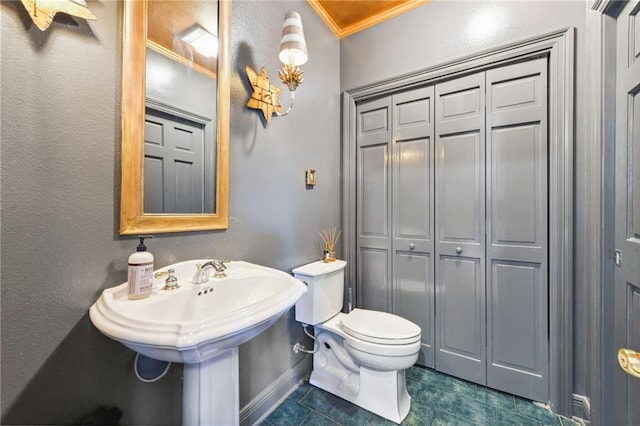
x,y
60,104
445,30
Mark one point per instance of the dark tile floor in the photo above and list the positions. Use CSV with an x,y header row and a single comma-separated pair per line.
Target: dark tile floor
x,y
436,399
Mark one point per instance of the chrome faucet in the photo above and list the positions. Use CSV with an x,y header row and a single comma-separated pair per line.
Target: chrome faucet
x,y
202,274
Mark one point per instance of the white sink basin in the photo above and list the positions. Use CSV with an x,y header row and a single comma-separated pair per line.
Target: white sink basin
x,y
200,325
196,321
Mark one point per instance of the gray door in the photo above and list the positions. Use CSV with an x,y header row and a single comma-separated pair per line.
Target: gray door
x,y
412,213
627,208
491,229
173,165
517,223
373,269
453,222
460,228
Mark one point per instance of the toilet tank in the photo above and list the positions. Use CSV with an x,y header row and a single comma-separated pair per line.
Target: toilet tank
x,y
325,291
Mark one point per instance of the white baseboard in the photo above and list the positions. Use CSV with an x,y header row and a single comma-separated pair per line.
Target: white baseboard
x,y
267,400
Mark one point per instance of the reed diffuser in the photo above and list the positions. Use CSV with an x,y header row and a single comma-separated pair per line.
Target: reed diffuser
x,y
330,238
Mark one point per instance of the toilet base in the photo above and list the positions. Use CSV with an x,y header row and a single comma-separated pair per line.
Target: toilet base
x,y
382,392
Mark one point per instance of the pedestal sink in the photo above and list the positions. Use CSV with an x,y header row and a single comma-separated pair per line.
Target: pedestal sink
x,y
200,325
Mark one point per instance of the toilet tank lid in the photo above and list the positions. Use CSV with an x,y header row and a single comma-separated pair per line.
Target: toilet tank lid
x,y
319,268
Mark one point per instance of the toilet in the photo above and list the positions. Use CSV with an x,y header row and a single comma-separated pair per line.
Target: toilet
x,y
360,356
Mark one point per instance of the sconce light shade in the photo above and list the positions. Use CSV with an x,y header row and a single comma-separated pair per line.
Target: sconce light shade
x,y
293,47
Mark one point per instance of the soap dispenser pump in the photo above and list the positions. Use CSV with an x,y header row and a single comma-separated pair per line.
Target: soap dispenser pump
x,y
140,276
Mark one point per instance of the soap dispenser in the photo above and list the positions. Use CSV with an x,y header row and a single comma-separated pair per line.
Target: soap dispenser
x,y
140,276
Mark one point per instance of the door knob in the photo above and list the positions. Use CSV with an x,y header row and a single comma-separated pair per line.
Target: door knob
x,y
629,361
458,250
411,246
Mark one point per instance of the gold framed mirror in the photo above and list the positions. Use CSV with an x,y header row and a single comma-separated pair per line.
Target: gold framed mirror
x,y
133,218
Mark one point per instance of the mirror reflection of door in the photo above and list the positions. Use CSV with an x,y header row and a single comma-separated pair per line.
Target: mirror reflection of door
x,y
173,164
180,119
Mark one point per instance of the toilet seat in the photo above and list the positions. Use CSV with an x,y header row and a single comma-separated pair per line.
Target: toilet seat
x,y
380,327
380,333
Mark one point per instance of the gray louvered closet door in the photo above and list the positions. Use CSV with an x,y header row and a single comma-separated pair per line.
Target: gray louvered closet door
x,y
453,222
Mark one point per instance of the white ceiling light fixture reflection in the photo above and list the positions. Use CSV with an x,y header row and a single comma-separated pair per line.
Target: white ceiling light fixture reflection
x,y
202,40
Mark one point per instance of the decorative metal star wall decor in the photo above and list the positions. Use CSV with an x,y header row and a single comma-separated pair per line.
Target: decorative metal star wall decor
x,y
43,11
265,95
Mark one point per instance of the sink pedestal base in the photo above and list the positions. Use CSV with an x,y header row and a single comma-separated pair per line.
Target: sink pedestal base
x,y
210,391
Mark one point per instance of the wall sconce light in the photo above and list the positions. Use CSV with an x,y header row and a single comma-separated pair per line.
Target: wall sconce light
x,y
42,13
293,53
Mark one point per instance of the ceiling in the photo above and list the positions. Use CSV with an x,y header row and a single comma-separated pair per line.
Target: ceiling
x,y
346,17
166,20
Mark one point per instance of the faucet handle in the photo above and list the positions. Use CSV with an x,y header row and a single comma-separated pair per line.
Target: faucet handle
x,y
160,274
171,283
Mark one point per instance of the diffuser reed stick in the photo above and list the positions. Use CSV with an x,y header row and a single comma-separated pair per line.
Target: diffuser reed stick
x,y
330,238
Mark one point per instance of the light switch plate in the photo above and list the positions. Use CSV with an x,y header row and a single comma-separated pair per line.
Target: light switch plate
x,y
312,178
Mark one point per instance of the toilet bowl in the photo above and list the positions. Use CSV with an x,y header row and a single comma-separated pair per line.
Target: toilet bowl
x,y
380,340
360,356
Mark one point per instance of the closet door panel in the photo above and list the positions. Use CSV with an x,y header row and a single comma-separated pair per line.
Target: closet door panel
x,y
517,248
373,269
374,277
412,183
413,113
414,297
460,175
374,125
374,197
460,104
461,300
513,96
514,185
517,296
412,212
460,228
